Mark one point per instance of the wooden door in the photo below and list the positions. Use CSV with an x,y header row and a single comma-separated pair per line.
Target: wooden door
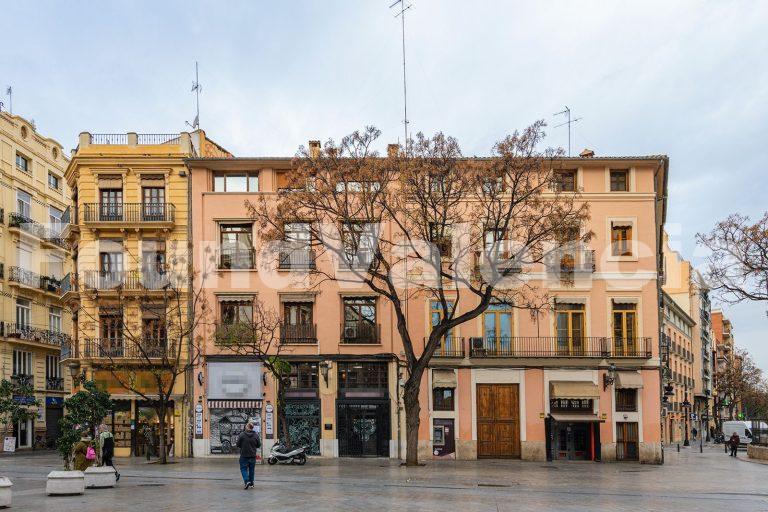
x,y
627,441
498,421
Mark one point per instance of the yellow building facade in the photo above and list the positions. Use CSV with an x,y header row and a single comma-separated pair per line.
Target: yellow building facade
x,y
129,238
34,258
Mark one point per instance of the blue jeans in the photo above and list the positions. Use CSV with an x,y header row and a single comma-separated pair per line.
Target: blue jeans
x,y
247,466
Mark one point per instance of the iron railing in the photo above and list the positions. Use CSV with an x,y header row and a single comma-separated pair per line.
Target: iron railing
x,y
54,383
66,349
109,138
361,260
33,279
129,212
559,346
297,259
126,279
158,138
237,258
23,379
450,347
571,261
68,283
631,347
121,348
305,334
24,223
360,332
28,332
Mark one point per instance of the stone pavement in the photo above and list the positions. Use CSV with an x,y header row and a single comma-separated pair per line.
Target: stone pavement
x,y
688,481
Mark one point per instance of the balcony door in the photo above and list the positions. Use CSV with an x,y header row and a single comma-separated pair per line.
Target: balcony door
x,y
153,204
360,320
110,269
23,313
624,328
236,246
111,325
570,328
436,314
111,204
23,204
497,329
298,238
298,325
153,264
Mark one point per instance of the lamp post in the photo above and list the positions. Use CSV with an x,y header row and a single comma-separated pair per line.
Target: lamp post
x,y
686,407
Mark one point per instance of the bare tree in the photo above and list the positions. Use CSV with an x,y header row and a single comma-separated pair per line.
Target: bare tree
x,y
737,379
151,337
259,338
428,223
738,262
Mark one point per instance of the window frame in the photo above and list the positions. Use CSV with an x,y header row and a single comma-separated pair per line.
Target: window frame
x,y
252,184
57,182
240,315
23,362
623,404
444,404
626,247
26,167
625,173
558,182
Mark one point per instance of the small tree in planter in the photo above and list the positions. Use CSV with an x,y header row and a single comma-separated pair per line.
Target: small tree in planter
x,y
17,403
84,411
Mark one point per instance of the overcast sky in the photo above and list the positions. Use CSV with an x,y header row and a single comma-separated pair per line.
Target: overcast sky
x,y
687,79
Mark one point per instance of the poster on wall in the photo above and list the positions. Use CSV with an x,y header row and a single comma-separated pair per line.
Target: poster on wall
x,y
227,424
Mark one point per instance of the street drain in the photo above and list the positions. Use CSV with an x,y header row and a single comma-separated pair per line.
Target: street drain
x,y
492,485
151,485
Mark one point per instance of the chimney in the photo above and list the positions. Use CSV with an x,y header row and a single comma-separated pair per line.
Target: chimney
x,y
314,148
587,153
393,150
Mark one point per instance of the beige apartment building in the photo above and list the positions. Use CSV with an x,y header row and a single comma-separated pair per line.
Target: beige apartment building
x,y
128,232
34,259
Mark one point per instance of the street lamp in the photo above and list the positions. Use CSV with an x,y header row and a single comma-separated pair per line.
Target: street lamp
x,y
687,407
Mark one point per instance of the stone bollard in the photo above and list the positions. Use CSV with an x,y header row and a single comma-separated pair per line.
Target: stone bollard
x,y
5,491
65,483
100,477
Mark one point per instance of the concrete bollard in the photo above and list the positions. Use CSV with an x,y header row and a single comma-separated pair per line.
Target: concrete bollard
x,y
65,483
5,491
100,477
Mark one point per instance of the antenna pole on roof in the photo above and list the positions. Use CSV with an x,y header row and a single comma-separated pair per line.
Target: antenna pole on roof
x,y
9,92
401,14
569,122
196,88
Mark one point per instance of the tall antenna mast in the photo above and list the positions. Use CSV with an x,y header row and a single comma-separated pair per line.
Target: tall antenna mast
x,y
196,88
401,14
568,122
9,92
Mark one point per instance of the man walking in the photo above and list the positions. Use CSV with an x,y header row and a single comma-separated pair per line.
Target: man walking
x,y
734,442
249,443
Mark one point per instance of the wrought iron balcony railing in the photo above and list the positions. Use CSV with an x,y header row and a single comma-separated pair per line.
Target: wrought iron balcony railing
x,y
126,280
121,348
305,334
297,259
237,258
54,383
34,280
129,213
361,333
23,379
571,261
28,332
450,347
48,234
560,346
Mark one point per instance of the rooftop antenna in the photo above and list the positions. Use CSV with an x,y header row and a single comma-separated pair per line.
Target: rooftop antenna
x,y
9,92
569,122
401,14
196,88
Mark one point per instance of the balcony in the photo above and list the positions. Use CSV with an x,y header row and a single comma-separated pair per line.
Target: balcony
x,y
297,259
360,333
120,348
68,285
553,346
23,379
449,348
129,213
237,258
50,236
298,334
568,262
360,261
54,383
31,279
28,332
128,280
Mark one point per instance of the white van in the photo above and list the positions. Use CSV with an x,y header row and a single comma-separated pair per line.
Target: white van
x,y
742,428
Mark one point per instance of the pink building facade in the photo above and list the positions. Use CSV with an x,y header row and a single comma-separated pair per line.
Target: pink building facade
x,y
577,381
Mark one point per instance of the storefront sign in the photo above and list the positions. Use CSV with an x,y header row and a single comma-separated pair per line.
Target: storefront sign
x,y
24,400
54,401
198,423
9,444
571,404
235,381
268,418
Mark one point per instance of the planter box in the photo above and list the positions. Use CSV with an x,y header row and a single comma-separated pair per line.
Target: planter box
x,y
63,483
100,477
5,492
757,452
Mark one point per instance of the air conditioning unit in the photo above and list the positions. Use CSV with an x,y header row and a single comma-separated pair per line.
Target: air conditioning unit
x,y
350,332
477,344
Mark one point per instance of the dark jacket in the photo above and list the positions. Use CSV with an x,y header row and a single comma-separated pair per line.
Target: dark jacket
x,y
249,443
735,440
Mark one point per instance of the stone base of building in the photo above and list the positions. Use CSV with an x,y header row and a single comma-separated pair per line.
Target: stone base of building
x,y
650,453
608,452
425,449
533,450
466,450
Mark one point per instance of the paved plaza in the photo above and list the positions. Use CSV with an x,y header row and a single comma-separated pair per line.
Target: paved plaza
x,y
688,481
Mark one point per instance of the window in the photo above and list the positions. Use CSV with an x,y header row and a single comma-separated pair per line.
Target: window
x,y
570,328
111,263
54,319
23,313
153,262
52,368
23,204
624,328
360,320
22,164
358,186
54,218
22,362
621,239
440,235
54,181
571,404
297,313
442,399
626,400
619,180
235,312
565,181
153,204
497,327
153,327
363,376
236,246
303,376
111,322
359,239
111,204
239,182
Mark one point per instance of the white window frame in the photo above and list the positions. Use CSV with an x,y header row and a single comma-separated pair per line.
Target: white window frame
x,y
54,319
24,203
23,363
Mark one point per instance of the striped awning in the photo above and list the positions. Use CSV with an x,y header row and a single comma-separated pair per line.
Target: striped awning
x,y
234,404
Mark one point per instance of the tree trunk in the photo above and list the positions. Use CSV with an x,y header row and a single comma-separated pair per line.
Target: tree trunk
x,y
412,412
282,419
161,439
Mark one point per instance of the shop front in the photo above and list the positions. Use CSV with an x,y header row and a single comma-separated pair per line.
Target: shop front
x,y
573,425
302,406
363,409
54,412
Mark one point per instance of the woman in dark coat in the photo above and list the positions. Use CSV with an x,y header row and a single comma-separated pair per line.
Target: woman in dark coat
x,y
80,451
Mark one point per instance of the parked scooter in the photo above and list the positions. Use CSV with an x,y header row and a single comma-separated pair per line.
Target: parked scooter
x,y
719,438
280,453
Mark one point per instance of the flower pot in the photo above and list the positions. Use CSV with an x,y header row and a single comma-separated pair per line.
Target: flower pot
x,y
65,483
100,477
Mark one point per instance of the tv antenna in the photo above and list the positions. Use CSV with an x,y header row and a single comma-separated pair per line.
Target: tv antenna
x,y
196,88
569,122
9,92
401,14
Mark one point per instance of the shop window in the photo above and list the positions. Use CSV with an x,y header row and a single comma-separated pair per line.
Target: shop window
x,y
442,399
363,379
303,380
619,180
626,400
